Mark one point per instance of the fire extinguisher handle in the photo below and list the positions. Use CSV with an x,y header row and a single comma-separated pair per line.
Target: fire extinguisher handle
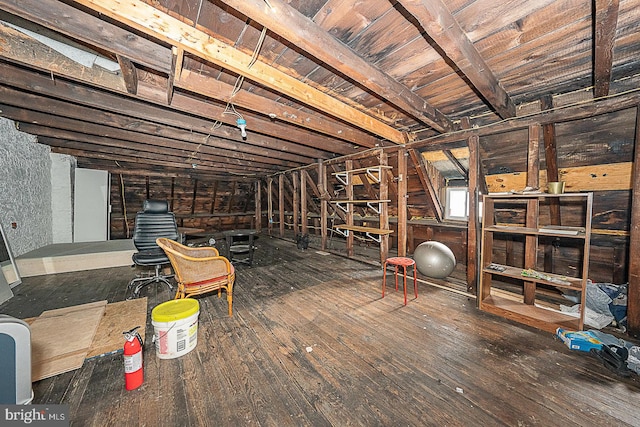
x,y
133,334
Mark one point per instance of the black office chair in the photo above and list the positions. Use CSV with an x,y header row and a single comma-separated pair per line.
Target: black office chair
x,y
152,222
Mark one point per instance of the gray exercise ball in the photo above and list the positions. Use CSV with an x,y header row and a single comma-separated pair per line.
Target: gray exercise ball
x,y
434,259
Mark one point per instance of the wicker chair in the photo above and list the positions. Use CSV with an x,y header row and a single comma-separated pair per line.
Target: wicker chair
x,y
199,270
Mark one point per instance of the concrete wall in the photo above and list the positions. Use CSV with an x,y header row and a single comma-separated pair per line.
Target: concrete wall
x,y
25,189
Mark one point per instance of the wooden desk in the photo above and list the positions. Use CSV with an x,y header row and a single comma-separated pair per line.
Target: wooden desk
x,y
185,231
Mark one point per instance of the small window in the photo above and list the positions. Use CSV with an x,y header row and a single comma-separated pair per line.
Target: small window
x,y
457,203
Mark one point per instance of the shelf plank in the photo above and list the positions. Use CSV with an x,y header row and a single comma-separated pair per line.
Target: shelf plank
x,y
360,201
359,170
514,197
362,229
516,273
570,232
537,317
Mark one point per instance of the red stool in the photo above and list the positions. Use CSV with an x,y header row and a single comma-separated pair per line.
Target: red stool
x,y
404,263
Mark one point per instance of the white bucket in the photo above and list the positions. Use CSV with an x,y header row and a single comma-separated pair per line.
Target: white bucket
x,y
175,325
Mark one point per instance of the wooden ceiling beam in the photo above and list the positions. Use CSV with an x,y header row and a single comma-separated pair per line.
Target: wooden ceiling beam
x,y
129,74
25,50
126,106
88,150
77,130
71,139
606,22
291,25
291,139
149,20
147,161
217,89
123,167
177,57
441,26
256,124
26,107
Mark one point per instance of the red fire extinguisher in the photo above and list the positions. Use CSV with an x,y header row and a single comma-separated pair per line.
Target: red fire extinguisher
x,y
133,372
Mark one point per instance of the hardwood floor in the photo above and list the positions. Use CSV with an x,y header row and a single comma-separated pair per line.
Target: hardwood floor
x,y
312,342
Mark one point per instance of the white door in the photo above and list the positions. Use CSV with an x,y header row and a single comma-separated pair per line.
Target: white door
x,y
91,206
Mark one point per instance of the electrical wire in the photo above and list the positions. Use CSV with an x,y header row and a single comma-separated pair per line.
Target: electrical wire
x,y
230,108
256,51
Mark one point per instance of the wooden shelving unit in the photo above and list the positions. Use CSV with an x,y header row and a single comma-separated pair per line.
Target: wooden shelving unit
x,y
376,175
523,307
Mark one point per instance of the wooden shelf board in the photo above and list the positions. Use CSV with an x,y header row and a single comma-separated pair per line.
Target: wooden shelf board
x,y
564,232
363,229
514,197
516,273
360,201
362,169
547,320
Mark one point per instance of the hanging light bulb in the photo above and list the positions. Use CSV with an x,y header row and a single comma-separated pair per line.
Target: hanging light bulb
x,y
242,124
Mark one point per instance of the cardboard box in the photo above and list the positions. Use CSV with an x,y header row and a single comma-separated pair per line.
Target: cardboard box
x,y
579,340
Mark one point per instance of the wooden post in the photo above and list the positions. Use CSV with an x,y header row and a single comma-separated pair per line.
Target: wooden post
x,y
551,160
194,197
258,206
472,227
270,205
384,208
322,185
533,180
296,202
402,202
487,249
303,202
633,297
281,202
410,239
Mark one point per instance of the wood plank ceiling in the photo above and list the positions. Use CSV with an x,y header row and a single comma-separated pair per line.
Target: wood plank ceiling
x,y
157,86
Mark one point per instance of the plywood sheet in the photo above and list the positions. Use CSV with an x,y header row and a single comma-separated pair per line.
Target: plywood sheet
x,y
60,339
118,317
615,176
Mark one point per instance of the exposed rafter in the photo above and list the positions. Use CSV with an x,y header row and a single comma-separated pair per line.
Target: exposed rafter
x,y
290,24
74,23
442,27
219,90
59,88
606,20
158,24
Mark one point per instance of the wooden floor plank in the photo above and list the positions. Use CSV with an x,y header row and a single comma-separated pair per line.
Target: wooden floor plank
x,y
118,317
373,360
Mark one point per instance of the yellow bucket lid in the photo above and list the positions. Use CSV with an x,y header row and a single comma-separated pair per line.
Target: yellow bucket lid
x,y
176,309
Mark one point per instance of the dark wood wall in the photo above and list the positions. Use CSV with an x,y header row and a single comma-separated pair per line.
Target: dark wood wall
x,y
213,205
